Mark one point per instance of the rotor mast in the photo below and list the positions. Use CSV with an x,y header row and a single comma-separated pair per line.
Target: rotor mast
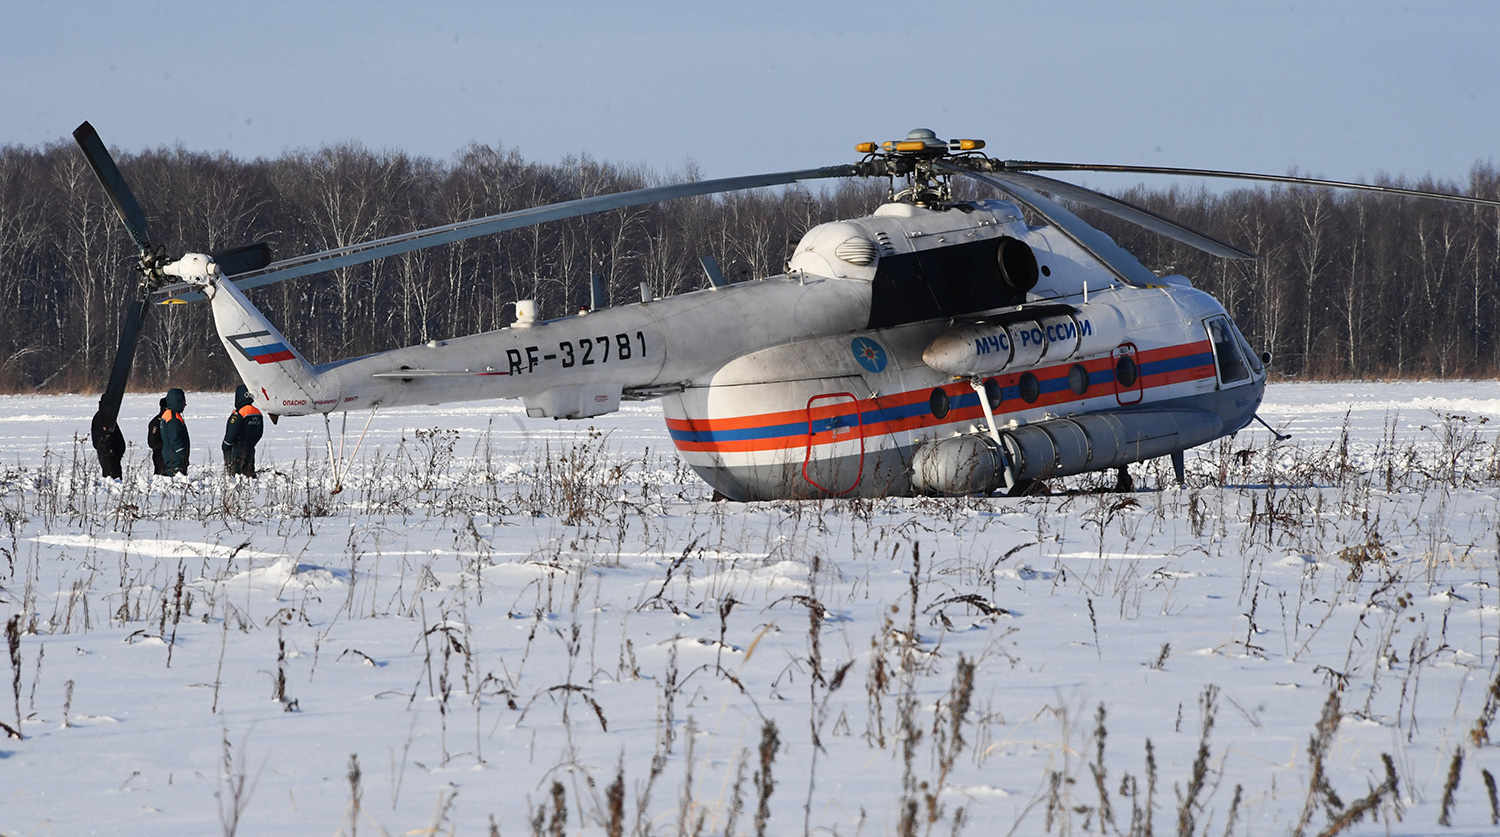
x,y
913,158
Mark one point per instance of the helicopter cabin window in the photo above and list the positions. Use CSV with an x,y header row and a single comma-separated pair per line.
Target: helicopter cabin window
x,y
1078,379
1029,388
992,393
1228,356
938,403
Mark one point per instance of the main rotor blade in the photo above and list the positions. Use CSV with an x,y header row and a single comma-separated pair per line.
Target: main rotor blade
x,y
463,230
1127,212
114,184
1032,165
1116,259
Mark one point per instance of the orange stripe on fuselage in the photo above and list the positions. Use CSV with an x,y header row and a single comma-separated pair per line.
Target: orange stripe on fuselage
x,y
907,411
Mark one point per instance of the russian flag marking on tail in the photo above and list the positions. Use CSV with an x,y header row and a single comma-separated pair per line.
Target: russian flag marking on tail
x,y
260,346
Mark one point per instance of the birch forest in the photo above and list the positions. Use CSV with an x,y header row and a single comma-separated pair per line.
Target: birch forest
x,y
1346,285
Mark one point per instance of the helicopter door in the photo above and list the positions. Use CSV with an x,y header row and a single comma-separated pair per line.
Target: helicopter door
x,y
835,457
1128,386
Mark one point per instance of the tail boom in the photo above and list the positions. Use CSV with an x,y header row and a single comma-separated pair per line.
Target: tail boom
x,y
272,369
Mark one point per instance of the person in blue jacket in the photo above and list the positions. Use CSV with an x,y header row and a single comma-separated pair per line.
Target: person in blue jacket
x,y
176,447
241,432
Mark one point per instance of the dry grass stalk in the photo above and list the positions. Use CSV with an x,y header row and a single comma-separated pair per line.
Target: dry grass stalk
x,y
736,795
356,794
235,786
1188,805
13,640
559,824
1356,812
1450,787
643,797
1489,789
948,736
1234,810
278,683
1054,797
1317,749
1371,552
686,804
765,785
1161,658
1148,824
1480,734
614,795
1106,812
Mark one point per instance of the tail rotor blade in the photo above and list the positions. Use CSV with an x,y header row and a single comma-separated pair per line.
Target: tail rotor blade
x,y
114,184
129,210
119,374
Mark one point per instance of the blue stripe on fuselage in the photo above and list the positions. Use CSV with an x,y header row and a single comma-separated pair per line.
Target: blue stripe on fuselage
x,y
968,398
865,418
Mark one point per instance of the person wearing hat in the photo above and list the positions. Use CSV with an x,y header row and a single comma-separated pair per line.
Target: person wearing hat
x,y
153,439
241,433
176,447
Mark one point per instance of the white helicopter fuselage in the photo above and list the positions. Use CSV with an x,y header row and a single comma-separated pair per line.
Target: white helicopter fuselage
x,y
888,336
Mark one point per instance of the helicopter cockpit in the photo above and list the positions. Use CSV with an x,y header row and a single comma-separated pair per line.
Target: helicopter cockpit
x,y
1233,359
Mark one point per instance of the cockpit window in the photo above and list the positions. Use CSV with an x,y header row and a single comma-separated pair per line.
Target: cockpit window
x,y
1228,356
1255,365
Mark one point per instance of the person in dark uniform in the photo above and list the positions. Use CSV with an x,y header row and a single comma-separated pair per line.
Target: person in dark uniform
x,y
109,444
153,439
242,431
176,448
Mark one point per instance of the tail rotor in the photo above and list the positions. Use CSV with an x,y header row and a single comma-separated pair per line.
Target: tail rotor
x,y
150,260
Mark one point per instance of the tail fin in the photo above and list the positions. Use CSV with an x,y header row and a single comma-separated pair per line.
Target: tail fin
x,y
269,365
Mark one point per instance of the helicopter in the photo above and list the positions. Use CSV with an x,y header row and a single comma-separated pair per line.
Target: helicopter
x,y
939,346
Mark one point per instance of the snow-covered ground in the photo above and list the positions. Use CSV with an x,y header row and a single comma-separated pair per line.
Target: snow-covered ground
x,y
536,626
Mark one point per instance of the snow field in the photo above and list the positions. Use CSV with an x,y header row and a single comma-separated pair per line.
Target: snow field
x,y
547,627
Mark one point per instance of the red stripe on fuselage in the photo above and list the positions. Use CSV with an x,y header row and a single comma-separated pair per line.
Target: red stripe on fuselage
x,y
902,402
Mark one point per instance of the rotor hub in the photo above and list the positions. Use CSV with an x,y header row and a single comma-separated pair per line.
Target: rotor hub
x,y
913,158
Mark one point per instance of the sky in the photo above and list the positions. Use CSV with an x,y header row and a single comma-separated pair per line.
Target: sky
x,y
1341,89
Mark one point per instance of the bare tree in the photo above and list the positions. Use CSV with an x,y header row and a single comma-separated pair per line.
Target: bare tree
x,y
1349,285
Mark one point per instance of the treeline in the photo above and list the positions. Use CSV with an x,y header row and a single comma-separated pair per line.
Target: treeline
x,y
1346,285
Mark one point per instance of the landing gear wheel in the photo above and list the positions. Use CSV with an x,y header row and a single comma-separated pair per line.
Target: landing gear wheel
x,y
1123,483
